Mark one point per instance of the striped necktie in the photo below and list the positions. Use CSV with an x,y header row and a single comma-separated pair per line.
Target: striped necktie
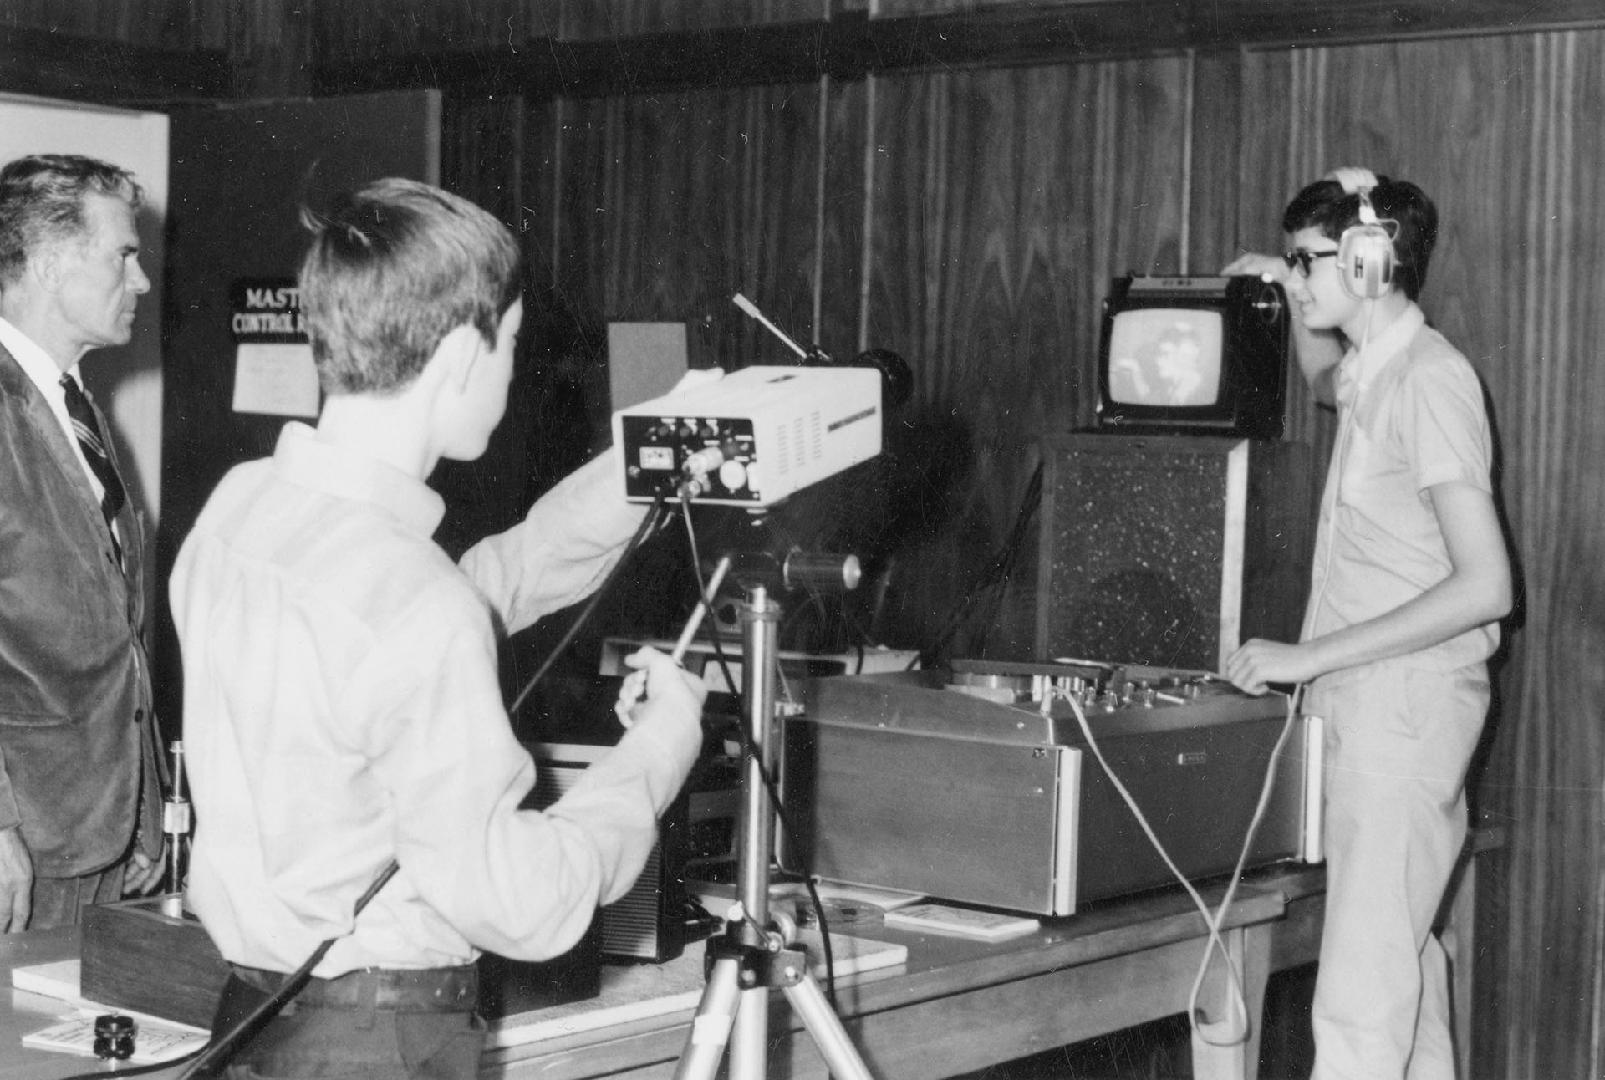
x,y
87,428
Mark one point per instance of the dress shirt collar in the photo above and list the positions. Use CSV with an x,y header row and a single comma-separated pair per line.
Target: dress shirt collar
x,y
306,460
44,371
1361,366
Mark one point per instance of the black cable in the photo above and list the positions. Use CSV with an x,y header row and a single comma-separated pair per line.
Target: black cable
x,y
998,571
691,540
202,1062
641,533
221,1048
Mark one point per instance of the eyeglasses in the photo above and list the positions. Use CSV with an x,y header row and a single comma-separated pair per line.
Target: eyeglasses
x,y
1303,259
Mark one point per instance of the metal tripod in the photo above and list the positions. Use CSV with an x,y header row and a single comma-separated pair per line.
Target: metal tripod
x,y
753,955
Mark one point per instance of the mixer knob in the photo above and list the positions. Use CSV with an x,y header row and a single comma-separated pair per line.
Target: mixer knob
x,y
733,475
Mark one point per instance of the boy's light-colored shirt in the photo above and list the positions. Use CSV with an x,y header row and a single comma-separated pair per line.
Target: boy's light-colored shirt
x,y
342,709
1411,415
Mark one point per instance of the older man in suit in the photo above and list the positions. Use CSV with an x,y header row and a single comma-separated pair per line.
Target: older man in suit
x,y
80,797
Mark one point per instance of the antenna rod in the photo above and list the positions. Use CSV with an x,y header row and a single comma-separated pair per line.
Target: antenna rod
x,y
752,309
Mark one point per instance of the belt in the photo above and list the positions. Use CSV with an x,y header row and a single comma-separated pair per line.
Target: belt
x,y
447,989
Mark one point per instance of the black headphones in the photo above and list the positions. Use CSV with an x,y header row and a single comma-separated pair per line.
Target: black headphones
x,y
1365,250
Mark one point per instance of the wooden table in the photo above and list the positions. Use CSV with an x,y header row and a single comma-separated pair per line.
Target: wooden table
x,y
958,1005
24,1012
954,1006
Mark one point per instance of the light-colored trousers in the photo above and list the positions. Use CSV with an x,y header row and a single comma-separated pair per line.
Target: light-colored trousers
x,y
1398,743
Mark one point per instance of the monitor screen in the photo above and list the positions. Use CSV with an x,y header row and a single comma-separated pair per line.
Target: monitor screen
x,y
1165,356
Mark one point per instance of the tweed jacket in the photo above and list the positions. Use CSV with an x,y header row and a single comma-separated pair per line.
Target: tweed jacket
x,y
77,730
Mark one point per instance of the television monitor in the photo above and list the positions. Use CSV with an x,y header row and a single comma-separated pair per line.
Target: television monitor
x,y
1202,355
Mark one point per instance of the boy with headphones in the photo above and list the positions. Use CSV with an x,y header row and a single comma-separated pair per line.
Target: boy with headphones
x,y
1410,579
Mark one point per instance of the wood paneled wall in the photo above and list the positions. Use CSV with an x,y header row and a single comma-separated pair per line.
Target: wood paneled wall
x,y
1002,204
971,217
170,24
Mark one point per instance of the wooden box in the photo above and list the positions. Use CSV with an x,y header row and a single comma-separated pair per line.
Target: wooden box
x,y
141,956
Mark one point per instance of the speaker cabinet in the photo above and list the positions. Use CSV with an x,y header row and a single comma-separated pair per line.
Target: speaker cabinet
x,y
648,923
1170,550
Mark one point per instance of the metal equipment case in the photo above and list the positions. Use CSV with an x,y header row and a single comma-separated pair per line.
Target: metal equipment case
x,y
960,791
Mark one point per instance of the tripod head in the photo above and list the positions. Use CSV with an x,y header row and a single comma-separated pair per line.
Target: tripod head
x,y
796,569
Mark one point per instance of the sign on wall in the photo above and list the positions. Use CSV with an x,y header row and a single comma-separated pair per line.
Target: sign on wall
x,y
273,369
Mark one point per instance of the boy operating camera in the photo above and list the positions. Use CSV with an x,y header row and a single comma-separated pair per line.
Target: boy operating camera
x,y
342,708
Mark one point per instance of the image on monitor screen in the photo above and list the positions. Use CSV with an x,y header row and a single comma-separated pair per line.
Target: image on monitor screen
x,y
1161,356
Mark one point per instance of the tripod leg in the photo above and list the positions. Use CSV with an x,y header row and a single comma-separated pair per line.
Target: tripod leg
x,y
809,1002
749,1047
710,1027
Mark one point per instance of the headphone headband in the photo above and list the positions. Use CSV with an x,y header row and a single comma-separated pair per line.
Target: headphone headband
x,y
1365,250
1356,180
1360,181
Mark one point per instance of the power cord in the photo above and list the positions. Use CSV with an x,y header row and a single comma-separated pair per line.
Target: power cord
x,y
1233,1029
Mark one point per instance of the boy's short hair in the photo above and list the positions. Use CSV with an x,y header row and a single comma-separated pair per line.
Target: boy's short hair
x,y
392,269
42,200
1325,205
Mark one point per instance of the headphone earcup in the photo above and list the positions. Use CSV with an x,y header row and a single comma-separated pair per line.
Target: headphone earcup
x,y
1365,258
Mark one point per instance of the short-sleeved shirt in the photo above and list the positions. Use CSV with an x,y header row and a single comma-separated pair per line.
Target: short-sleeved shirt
x,y
1411,415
